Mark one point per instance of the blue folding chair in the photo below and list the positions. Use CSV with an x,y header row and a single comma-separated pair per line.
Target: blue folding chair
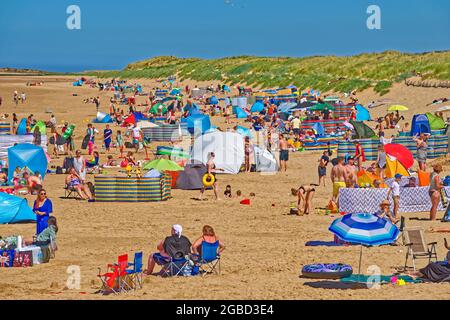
x,y
135,273
209,258
175,267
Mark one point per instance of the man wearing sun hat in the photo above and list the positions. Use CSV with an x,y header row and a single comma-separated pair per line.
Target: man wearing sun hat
x,y
395,190
385,211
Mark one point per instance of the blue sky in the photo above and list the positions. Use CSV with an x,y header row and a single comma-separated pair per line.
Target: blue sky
x,y
114,33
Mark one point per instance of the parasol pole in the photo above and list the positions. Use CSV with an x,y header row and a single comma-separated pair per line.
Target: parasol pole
x,y
360,258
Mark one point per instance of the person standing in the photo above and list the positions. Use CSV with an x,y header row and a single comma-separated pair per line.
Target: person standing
x,y
119,141
24,97
359,154
422,151
97,103
338,177
322,169
284,152
212,170
247,154
296,123
395,190
42,207
137,136
107,135
15,124
381,161
435,190
16,98
91,133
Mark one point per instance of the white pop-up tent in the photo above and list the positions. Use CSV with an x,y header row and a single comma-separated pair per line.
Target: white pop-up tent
x,y
264,160
228,148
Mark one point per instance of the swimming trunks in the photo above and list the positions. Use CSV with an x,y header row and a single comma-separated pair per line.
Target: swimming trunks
x,y
284,155
322,171
336,186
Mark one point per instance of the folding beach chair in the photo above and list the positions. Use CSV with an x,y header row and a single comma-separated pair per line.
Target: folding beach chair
x,y
68,191
125,282
135,273
413,238
210,258
110,280
174,267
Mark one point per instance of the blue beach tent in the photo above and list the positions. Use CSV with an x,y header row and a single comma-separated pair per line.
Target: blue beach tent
x,y
22,127
200,122
26,155
213,100
257,107
240,113
362,114
420,124
15,210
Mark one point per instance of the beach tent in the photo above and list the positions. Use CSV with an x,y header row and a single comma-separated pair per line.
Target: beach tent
x,y
15,210
240,113
227,146
175,91
244,131
436,123
362,131
393,166
22,128
226,88
362,114
130,119
264,160
213,100
42,127
239,102
191,177
26,155
318,128
257,107
198,123
102,118
420,124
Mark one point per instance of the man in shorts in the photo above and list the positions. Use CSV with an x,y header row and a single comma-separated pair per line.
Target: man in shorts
x,y
322,169
338,177
137,135
284,152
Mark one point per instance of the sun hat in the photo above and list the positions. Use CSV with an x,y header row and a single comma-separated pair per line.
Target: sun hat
x,y
385,203
398,176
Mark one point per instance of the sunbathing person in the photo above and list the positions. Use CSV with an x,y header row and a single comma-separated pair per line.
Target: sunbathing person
x,y
435,271
175,246
305,194
208,236
73,180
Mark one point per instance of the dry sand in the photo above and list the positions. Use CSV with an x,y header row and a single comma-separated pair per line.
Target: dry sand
x,y
265,246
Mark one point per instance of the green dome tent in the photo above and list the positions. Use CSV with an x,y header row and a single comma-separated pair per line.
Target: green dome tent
x,y
42,127
362,130
436,123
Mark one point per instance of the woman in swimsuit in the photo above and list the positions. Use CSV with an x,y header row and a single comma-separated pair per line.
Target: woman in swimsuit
x,y
73,180
305,194
435,190
211,167
422,148
208,236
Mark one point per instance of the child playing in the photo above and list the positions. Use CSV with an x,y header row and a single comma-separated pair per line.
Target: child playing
x,y
385,212
119,141
227,192
395,190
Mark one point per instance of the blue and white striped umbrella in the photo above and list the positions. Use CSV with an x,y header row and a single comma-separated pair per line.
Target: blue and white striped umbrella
x,y
364,228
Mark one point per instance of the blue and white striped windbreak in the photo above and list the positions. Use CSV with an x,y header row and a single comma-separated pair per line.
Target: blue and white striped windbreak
x,y
364,228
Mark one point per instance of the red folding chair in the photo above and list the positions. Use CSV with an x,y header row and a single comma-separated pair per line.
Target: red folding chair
x,y
110,280
124,278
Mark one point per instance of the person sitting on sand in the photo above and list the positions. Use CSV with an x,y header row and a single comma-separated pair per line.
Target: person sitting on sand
x,y
73,180
435,271
47,235
227,192
385,212
34,183
305,195
175,246
110,162
130,159
208,236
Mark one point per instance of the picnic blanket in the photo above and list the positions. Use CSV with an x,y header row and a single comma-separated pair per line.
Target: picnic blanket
x,y
355,200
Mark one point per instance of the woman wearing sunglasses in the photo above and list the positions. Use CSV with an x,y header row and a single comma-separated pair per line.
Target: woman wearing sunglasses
x,y
42,208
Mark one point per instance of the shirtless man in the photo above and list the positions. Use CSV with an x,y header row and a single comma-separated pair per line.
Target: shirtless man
x,y
284,152
338,177
351,173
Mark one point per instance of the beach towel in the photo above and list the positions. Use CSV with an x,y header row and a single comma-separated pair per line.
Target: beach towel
x,y
383,279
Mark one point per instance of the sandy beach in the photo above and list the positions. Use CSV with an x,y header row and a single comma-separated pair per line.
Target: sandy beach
x,y
265,247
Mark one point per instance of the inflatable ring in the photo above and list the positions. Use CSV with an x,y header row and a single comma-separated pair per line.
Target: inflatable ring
x,y
327,271
208,180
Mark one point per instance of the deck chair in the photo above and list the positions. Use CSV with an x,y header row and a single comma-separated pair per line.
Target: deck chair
x,y
110,280
209,258
125,282
174,267
68,191
413,238
135,273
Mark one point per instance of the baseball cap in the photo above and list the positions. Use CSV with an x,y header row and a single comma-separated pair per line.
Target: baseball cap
x,y
398,176
178,229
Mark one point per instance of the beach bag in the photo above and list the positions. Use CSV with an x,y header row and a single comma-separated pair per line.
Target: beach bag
x,y
23,259
6,258
332,206
45,254
59,170
424,178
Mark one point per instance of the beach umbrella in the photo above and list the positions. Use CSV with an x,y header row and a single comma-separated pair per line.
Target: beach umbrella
x,y
401,153
397,107
163,165
364,229
443,109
